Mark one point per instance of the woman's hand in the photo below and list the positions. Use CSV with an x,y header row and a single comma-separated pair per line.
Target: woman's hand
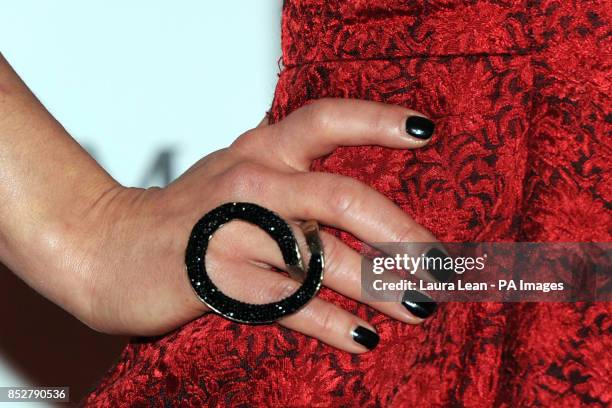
x,y
132,242
114,256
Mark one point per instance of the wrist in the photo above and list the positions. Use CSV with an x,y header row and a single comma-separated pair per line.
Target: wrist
x,y
45,243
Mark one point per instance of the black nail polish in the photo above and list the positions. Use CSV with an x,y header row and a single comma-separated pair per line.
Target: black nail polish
x,y
436,265
419,304
365,337
419,127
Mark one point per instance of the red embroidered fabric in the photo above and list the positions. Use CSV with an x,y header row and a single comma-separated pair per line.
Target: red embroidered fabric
x,y
520,93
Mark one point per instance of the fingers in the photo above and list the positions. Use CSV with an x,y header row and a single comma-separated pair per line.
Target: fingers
x,y
354,207
334,326
308,133
342,269
343,275
351,206
331,199
319,319
318,128
347,204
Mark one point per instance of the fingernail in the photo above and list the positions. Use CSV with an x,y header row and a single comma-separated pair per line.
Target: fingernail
x,y
365,337
436,265
419,304
419,127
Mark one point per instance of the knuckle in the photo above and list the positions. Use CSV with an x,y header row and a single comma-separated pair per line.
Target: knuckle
x,y
327,318
321,113
344,198
246,178
405,233
245,141
380,120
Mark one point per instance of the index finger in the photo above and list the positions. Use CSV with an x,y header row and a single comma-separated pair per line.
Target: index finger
x,y
316,129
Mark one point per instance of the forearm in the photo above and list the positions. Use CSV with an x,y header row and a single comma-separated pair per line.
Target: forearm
x,y
47,184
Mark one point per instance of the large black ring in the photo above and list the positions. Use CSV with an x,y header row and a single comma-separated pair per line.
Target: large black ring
x,y
280,231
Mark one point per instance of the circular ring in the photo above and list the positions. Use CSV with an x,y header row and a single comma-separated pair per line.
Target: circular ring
x,y
279,230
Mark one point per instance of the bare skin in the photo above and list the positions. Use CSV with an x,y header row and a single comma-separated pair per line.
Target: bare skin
x,y
114,256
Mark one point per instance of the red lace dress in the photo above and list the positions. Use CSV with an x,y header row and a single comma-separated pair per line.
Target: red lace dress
x,y
520,93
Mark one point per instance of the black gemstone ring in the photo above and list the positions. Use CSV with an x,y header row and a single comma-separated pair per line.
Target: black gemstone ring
x,y
279,230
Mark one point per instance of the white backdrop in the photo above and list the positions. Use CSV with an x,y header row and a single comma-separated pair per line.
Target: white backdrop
x,y
148,87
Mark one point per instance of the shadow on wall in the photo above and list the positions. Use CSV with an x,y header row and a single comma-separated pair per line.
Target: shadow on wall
x,y
46,345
